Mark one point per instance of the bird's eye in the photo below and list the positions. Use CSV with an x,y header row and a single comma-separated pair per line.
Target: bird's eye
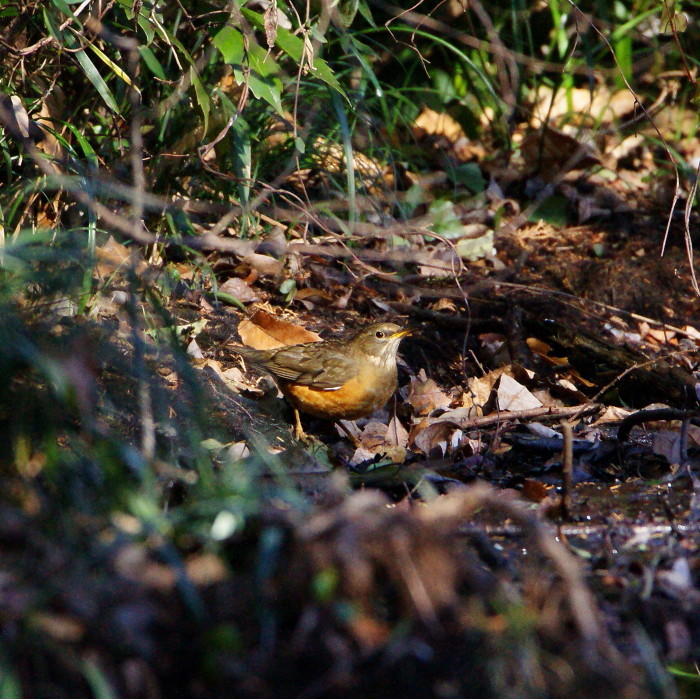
x,y
379,334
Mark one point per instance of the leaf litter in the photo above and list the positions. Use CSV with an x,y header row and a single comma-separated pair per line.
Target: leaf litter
x,y
446,432
434,424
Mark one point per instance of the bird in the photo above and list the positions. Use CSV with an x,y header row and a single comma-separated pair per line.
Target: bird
x,y
338,379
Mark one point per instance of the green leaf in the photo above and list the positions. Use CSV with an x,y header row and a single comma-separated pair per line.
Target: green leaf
x,y
364,55
63,7
289,288
202,96
469,175
554,210
229,41
227,298
367,13
6,12
211,444
87,149
444,220
623,53
671,21
347,9
261,70
475,248
263,80
347,152
115,68
93,75
325,584
687,671
444,85
242,157
146,17
52,26
293,46
89,68
152,63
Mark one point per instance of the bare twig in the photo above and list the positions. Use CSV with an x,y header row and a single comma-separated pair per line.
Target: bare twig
x,y
642,416
567,469
543,413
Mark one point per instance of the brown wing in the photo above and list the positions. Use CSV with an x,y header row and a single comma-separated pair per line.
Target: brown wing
x,y
310,365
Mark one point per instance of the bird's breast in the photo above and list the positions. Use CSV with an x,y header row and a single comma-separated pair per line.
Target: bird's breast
x,y
360,396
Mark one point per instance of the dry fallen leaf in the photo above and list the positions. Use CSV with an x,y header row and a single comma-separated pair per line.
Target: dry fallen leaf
x,y
480,389
194,350
549,151
445,132
114,257
425,396
264,264
513,396
373,435
438,124
598,105
263,331
462,415
658,335
535,491
236,452
542,350
52,114
442,435
567,389
443,304
311,297
667,443
351,427
396,434
16,120
612,414
237,288
693,332
330,157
